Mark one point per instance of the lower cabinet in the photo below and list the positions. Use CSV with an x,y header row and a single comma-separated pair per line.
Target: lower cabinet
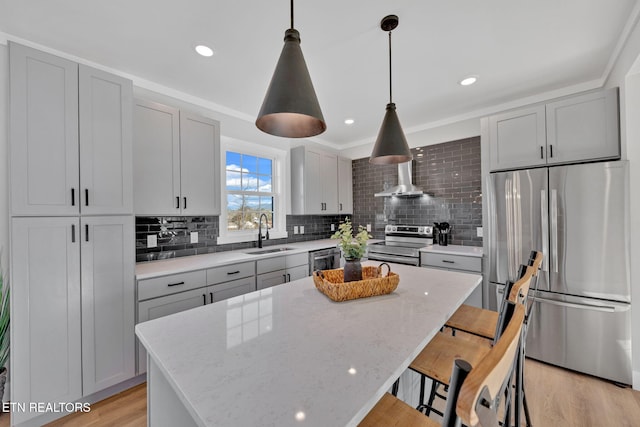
x,y
282,269
462,263
74,334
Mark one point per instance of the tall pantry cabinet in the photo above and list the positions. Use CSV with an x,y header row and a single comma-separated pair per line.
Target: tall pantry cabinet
x,y
72,229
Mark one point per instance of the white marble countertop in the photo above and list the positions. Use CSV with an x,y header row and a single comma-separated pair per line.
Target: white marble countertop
x,y
289,356
475,251
148,270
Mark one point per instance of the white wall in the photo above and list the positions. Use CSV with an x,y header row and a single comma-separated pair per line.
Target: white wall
x,y
4,154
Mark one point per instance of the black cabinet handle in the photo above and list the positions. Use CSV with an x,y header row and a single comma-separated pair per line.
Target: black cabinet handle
x,y
541,152
73,197
340,207
185,202
551,148
233,272
86,197
211,297
288,277
86,232
204,299
448,262
177,202
73,233
175,284
284,277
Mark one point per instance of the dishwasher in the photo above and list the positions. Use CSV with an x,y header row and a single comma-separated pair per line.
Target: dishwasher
x,y
324,259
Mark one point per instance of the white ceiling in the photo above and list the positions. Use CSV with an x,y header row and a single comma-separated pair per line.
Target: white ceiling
x,y
518,48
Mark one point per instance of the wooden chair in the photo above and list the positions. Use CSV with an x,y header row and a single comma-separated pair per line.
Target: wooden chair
x,y
474,393
436,359
480,321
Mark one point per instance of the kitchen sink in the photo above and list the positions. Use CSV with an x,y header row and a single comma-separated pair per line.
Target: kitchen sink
x,y
268,251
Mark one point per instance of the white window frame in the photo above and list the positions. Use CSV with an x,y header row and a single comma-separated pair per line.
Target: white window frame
x,y
280,159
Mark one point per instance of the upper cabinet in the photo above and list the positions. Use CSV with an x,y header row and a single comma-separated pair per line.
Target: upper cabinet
x,y
345,186
177,162
572,129
314,182
70,137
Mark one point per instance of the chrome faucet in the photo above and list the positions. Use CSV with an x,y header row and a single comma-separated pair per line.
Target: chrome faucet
x,y
266,221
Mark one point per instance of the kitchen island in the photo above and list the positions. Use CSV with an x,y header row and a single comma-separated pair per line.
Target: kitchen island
x,y
288,355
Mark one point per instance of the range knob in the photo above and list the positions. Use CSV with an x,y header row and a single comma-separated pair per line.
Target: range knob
x,y
420,229
394,228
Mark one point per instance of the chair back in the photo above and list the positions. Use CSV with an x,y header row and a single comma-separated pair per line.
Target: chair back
x,y
520,290
489,379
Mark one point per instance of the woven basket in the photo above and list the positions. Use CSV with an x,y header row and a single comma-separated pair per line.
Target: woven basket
x,y
331,283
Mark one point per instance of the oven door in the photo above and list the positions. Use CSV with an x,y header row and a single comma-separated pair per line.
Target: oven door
x,y
399,259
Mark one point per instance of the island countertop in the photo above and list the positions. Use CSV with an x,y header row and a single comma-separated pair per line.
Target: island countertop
x,y
289,356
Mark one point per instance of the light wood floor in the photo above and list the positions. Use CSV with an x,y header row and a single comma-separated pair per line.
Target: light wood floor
x,y
556,397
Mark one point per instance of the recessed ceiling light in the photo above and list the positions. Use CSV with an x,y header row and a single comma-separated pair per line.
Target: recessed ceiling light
x,y
468,80
349,121
204,50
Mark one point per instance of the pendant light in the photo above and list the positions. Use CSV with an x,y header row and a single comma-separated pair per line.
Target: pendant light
x,y
391,146
290,108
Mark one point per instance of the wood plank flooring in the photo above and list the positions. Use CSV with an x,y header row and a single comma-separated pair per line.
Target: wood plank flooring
x,y
557,398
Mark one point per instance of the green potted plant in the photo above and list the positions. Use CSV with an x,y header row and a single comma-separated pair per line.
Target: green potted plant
x,y
4,331
353,249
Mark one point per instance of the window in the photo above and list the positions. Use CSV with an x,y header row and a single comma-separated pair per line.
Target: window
x,y
253,179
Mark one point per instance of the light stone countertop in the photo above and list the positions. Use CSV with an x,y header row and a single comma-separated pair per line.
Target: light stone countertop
x,y
271,357
474,251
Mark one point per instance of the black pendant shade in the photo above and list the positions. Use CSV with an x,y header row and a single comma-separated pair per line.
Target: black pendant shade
x,y
391,146
290,108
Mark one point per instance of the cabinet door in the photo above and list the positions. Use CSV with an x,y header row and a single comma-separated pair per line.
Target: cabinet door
x,y
298,272
268,280
583,127
106,166
43,133
164,306
45,312
200,165
517,138
329,179
156,156
108,341
345,186
314,202
231,289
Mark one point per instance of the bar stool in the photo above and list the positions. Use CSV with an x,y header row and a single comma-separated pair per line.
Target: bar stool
x,y
482,322
474,391
435,360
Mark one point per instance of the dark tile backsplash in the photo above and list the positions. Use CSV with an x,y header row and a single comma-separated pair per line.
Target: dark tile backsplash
x,y
449,173
174,235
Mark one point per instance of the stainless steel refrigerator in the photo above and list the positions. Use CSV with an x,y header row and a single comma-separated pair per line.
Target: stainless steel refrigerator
x,y
578,216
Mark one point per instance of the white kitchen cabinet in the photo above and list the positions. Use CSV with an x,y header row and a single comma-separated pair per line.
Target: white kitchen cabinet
x,y
314,182
70,137
518,138
177,162
584,127
345,186
108,301
234,288
46,364
572,129
277,270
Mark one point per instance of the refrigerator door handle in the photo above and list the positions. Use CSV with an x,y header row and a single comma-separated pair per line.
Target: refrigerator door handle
x,y
554,229
544,222
606,308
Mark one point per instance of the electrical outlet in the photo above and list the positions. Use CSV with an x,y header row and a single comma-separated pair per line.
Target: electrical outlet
x,y
302,229
295,229
333,227
194,237
479,231
369,227
152,240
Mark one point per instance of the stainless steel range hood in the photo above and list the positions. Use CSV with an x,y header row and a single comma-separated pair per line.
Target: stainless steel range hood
x,y
405,187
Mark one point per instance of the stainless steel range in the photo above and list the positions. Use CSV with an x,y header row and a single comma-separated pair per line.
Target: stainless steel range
x,y
402,244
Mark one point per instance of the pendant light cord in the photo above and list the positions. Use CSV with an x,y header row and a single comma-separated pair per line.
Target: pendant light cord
x,y
292,14
390,81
